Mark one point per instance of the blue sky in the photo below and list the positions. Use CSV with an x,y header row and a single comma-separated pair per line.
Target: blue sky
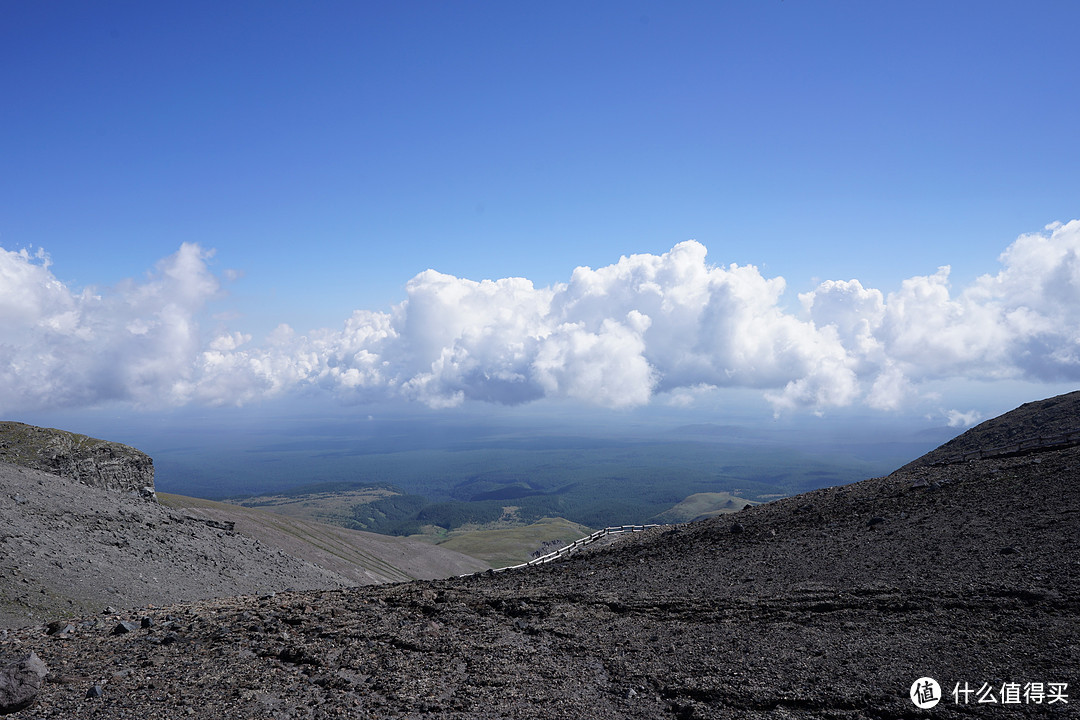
x,y
210,171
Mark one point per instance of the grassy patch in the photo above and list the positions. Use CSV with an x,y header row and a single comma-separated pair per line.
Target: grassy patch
x,y
504,546
330,505
702,505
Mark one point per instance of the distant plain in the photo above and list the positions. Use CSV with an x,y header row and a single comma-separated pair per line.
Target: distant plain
x,y
445,481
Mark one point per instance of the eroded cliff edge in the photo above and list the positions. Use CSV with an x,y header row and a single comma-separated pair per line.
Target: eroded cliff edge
x,y
98,463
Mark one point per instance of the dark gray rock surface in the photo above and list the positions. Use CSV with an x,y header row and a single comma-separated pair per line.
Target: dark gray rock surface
x,y
99,463
71,548
1049,419
67,548
20,682
810,612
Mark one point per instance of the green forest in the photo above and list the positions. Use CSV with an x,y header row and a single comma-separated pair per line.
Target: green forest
x,y
462,477
603,488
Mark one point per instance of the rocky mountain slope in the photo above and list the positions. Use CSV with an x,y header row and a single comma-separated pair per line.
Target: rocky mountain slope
x,y
80,529
827,605
68,548
1050,423
88,460
361,558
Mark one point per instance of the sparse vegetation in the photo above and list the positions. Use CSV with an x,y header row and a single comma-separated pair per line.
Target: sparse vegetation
x,y
703,505
506,546
327,502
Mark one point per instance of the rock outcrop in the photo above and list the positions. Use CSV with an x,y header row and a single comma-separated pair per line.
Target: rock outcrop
x,y
98,463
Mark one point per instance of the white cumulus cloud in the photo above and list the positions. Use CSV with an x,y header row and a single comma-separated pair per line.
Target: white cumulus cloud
x,y
667,325
133,342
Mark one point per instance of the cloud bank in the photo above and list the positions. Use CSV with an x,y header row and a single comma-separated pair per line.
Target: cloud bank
x,y
617,336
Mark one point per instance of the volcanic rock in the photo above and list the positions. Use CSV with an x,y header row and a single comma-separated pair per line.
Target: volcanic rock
x,y
94,462
20,682
802,615
68,548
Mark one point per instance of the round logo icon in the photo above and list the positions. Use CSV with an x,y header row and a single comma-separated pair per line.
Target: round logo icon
x,y
925,693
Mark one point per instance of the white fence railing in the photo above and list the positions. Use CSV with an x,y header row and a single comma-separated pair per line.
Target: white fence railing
x,y
580,543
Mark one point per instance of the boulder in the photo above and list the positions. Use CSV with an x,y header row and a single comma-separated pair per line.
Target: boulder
x,y
20,682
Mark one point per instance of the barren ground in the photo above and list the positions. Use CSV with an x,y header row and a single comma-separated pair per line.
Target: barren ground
x,y
826,605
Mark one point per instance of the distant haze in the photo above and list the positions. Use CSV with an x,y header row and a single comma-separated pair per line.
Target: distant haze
x,y
441,453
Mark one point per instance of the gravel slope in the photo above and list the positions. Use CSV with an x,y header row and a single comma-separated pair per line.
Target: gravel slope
x,y
362,558
826,605
68,548
1047,418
